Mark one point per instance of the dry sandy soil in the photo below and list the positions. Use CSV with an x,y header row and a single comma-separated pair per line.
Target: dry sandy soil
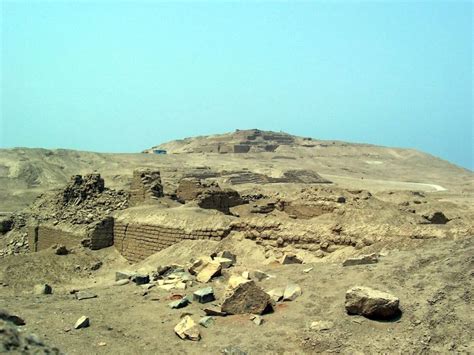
x,y
429,267
433,280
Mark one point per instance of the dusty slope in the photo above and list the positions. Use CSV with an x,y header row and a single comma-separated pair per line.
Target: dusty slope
x,y
24,173
433,279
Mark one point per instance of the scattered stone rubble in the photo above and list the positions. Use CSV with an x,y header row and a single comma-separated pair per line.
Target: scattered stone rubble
x,y
242,295
14,238
14,341
17,243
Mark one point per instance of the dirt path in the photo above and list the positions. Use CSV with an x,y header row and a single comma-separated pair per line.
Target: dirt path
x,y
378,185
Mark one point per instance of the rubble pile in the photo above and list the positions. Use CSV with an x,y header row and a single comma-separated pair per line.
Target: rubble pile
x,y
83,201
13,340
14,239
17,244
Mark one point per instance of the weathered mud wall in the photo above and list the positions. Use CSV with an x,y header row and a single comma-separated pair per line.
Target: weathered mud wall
x,y
43,237
138,241
98,236
102,234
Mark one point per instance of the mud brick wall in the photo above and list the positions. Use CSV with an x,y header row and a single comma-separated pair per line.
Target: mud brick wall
x,y
102,234
138,241
43,237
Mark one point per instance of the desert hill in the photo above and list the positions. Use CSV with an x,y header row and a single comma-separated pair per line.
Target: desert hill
x,y
235,158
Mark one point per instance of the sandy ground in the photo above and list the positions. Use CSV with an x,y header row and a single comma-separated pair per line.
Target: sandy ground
x,y
432,278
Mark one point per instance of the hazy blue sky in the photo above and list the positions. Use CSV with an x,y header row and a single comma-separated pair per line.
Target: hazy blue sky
x,y
123,76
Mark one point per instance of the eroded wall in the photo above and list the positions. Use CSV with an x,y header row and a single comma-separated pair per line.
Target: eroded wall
x,y
43,237
138,241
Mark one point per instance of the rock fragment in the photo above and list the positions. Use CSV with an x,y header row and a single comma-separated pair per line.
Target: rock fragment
x,y
210,269
60,249
228,255
362,260
122,282
140,279
84,295
321,325
258,320
236,280
7,316
224,262
232,350
82,322
43,289
204,295
371,303
206,321
187,329
96,266
15,341
259,275
290,258
183,302
437,218
292,292
122,275
198,264
247,298
214,311
276,294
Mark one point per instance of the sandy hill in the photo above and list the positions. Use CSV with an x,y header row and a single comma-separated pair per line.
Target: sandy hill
x,y
244,156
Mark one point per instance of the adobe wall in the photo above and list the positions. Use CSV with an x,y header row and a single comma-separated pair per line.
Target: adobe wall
x,y
138,241
98,236
101,235
44,236
142,231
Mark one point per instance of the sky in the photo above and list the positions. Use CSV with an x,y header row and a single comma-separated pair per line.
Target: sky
x,y
122,76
